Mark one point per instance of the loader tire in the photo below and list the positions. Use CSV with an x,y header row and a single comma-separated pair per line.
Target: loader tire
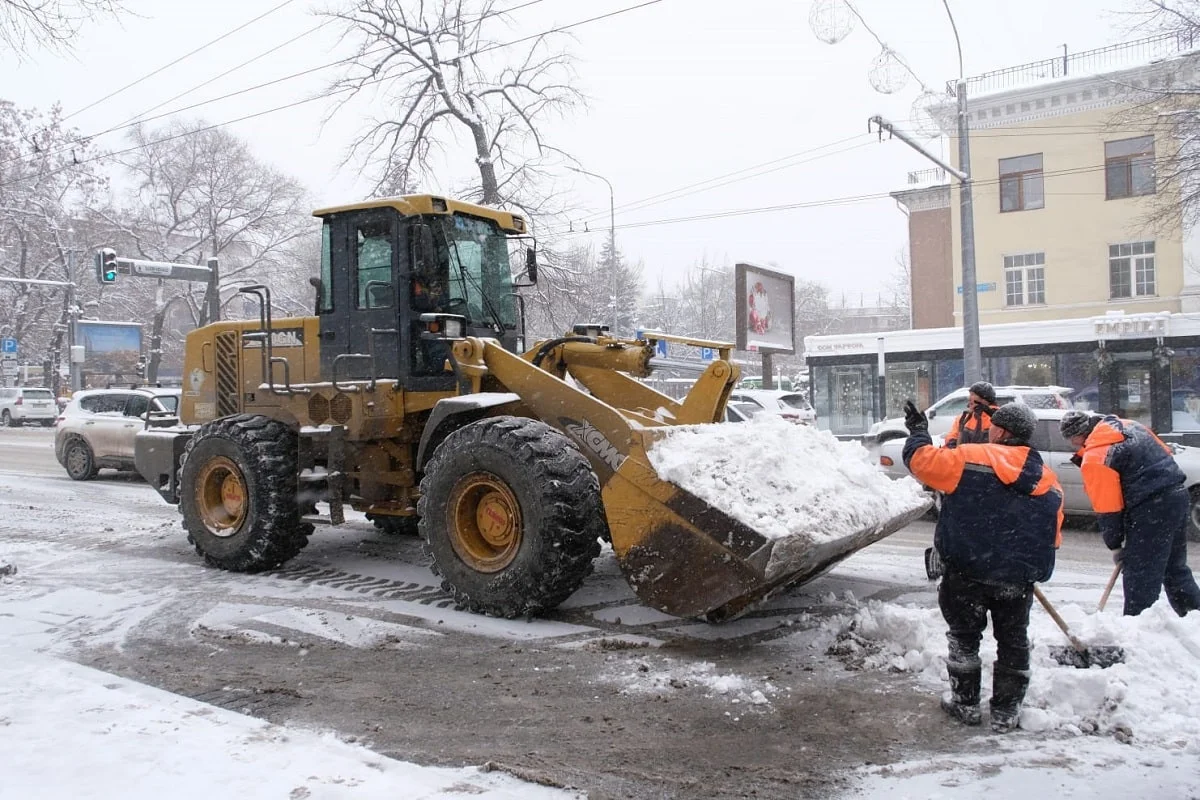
x,y
511,516
237,493
395,526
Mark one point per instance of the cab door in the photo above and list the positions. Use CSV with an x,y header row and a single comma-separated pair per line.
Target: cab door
x,y
359,310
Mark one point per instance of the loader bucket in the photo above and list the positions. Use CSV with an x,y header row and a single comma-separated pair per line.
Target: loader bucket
x,y
686,557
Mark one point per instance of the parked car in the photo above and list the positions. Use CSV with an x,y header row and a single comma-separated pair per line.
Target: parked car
x,y
97,428
789,405
1056,453
740,412
943,413
26,404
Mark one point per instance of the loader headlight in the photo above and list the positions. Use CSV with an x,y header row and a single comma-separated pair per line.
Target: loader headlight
x,y
443,326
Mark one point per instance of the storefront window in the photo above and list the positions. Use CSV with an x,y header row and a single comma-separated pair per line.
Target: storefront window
x,y
1185,389
1022,370
908,380
1078,372
949,377
844,398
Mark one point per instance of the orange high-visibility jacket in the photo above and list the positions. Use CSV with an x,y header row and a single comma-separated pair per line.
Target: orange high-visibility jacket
x,y
1001,516
1124,464
971,427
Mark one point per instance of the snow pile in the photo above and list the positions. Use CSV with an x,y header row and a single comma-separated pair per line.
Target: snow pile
x,y
70,731
783,480
1148,699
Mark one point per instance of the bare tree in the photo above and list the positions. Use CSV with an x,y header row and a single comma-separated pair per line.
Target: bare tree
x,y
441,72
197,194
45,189
25,24
899,287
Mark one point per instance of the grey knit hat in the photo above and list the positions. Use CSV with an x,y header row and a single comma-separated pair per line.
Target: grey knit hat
x,y
984,390
1077,423
1017,419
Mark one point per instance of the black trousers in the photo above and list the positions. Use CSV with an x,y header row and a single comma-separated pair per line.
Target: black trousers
x,y
1155,556
965,605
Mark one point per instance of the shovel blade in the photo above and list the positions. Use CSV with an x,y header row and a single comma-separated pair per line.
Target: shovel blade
x,y
1099,656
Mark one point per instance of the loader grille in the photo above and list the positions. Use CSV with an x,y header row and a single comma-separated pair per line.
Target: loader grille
x,y
340,408
227,373
318,409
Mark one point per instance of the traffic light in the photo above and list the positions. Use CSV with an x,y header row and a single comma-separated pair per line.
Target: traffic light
x,y
106,265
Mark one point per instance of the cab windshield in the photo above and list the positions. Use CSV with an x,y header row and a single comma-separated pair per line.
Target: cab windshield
x,y
477,254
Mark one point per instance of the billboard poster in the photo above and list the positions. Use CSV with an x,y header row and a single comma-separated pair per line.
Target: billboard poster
x,y
765,303
111,349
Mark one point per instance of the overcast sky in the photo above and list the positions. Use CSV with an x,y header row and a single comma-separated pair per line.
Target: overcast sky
x,y
681,91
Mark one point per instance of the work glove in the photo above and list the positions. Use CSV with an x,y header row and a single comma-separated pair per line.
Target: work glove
x,y
1077,460
915,419
986,410
1118,555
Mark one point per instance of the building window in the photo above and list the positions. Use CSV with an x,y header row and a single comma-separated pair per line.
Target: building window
x,y
1129,167
1131,270
1021,183
1025,279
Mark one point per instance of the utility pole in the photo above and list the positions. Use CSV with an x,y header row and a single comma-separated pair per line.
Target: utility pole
x,y
72,317
972,360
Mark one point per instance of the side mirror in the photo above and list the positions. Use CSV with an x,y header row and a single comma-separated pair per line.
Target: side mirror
x,y
319,286
531,264
931,413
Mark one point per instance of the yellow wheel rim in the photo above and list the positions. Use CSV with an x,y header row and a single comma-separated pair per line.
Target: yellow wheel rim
x,y
485,522
222,496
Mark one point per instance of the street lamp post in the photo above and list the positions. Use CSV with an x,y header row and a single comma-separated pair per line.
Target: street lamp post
x,y
972,358
612,241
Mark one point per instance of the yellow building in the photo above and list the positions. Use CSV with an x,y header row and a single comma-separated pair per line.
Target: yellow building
x,y
1072,215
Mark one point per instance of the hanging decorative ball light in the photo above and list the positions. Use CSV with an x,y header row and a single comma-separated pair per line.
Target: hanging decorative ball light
x,y
831,20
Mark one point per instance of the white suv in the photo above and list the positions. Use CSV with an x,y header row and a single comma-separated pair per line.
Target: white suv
x,y
943,413
25,404
97,428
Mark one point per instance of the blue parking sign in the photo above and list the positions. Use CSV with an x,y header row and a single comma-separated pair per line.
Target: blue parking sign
x,y
8,345
707,354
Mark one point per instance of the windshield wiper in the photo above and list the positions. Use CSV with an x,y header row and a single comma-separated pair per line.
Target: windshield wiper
x,y
463,274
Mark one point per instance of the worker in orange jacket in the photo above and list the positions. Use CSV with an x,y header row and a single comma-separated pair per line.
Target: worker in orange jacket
x,y
999,527
972,425
1136,489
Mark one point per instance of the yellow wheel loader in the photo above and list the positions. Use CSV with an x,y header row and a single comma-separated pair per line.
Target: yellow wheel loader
x,y
410,395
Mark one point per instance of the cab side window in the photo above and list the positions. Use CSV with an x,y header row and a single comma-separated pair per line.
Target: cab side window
x,y
373,264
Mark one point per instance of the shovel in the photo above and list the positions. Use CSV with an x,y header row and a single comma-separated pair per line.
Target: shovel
x,y
1077,655
1111,583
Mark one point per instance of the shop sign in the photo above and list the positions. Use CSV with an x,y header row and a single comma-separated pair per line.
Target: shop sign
x,y
1132,326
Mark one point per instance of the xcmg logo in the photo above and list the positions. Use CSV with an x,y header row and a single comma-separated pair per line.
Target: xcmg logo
x,y
594,440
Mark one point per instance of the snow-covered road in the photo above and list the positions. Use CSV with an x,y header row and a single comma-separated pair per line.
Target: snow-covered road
x,y
103,567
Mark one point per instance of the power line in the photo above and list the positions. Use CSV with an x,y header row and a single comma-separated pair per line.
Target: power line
x,y
324,95
682,191
834,201
183,57
229,71
246,90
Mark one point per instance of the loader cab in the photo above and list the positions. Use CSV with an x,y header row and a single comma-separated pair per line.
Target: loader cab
x,y
383,264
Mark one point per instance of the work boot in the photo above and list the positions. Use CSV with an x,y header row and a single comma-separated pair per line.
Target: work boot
x,y
963,703
1008,690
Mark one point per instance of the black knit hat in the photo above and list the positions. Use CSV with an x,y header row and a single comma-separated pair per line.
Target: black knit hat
x,y
1017,419
1077,423
985,390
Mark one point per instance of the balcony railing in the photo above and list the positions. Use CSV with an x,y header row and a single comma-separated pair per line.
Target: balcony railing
x,y
931,175
1088,62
